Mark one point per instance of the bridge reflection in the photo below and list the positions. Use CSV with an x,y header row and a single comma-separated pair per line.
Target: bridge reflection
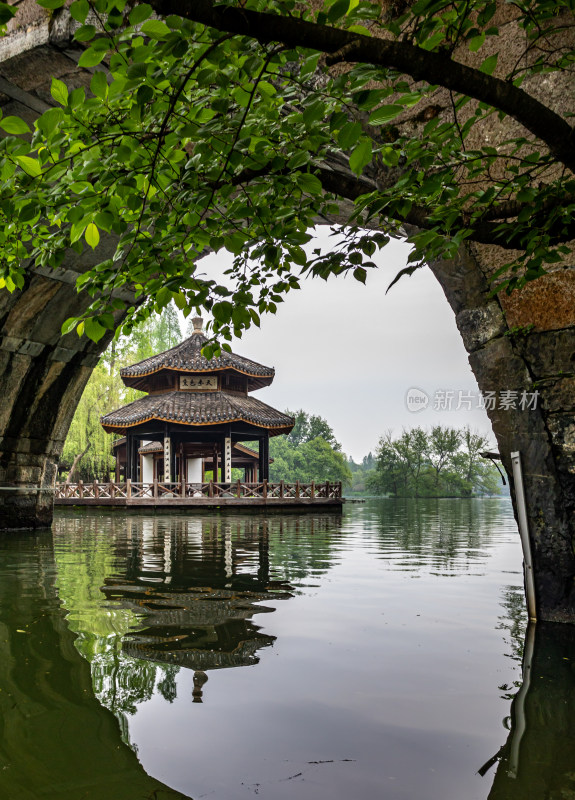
x,y
56,740
536,762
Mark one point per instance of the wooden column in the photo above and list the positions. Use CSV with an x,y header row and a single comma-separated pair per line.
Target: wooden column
x,y
215,465
136,457
129,438
264,461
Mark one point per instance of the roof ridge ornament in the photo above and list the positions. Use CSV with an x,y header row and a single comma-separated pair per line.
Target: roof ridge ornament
x,y
198,324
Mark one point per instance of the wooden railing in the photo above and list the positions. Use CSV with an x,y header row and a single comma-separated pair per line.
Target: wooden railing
x,y
262,490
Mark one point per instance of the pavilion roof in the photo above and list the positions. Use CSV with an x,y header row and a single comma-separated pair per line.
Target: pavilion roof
x,y
187,357
199,409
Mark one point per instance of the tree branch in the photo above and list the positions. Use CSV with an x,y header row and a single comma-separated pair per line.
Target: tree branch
x,y
421,65
482,231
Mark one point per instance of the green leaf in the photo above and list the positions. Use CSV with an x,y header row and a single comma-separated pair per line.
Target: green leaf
x,y
299,160
49,120
155,28
361,156
99,84
107,320
14,125
51,4
28,212
69,325
92,235
140,13
79,10
30,165
180,300
93,329
338,10
222,312
85,33
137,70
91,57
349,135
385,114
476,42
489,64
163,297
309,183
6,13
405,271
59,91
77,97
77,230
360,274
144,94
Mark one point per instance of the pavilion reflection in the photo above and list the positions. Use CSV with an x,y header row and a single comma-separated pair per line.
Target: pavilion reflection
x,y
537,760
196,585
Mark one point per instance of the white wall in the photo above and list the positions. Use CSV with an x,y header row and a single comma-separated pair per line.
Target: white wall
x,y
147,468
194,470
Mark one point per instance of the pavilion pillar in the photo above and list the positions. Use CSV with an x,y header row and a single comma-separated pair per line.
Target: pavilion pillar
x,y
215,465
167,459
135,457
129,440
227,459
264,460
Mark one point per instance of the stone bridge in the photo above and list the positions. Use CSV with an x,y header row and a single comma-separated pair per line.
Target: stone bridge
x,y
525,342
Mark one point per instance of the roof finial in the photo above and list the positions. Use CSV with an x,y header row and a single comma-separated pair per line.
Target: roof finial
x,y
198,323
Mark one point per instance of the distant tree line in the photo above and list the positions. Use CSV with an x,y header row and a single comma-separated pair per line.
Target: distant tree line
x,y
309,453
441,462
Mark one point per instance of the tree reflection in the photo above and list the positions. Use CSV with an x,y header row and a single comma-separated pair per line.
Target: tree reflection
x,y
119,681
451,535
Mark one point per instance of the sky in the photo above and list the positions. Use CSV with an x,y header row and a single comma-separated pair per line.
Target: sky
x,y
351,353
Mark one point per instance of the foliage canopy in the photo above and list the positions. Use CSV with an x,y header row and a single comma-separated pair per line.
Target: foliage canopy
x,y
238,125
441,462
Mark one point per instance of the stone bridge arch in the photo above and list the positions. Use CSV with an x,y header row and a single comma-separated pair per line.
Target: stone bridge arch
x,y
43,373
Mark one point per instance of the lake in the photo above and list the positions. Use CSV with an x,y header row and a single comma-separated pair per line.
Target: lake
x,y
374,654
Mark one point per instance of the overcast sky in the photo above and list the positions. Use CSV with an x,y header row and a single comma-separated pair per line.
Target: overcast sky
x,y
351,353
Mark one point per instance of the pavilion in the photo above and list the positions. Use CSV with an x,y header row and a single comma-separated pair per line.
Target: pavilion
x,y
195,416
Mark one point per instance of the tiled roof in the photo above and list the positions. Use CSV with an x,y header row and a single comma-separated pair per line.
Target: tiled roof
x,y
187,356
198,409
152,447
158,447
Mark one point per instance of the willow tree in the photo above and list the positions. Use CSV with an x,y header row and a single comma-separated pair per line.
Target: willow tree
x,y
238,125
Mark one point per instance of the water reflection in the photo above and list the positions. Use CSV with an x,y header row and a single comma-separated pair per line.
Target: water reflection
x,y
445,536
199,584
537,761
367,683
182,593
56,740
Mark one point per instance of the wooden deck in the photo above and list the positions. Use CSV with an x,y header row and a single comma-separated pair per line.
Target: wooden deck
x,y
172,495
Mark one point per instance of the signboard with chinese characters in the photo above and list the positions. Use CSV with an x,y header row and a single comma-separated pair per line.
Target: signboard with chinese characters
x,y
198,383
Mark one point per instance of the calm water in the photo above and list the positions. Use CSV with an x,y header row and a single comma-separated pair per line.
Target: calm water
x,y
378,655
